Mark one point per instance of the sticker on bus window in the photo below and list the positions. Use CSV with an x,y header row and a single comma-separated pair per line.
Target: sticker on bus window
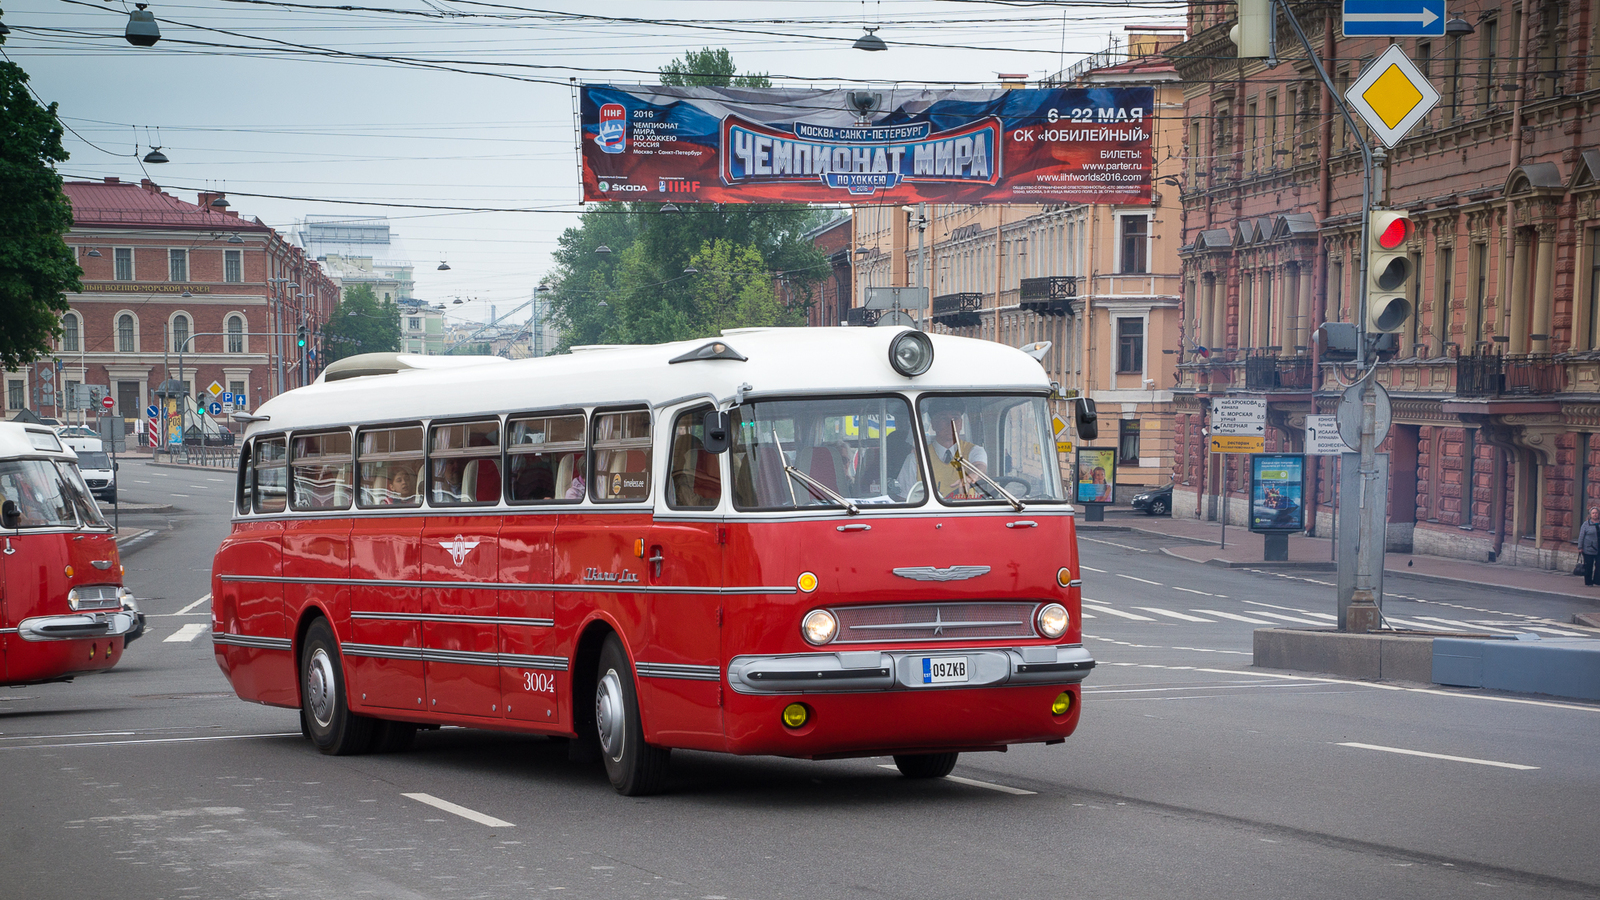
x,y
629,485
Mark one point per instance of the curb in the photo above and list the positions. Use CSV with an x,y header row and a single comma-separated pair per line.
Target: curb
x,y
1291,566
133,540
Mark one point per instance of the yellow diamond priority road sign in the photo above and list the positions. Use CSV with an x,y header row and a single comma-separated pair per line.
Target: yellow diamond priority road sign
x,y
1392,96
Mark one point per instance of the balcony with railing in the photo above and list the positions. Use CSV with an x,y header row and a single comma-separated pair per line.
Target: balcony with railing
x,y
1049,296
1277,373
1510,375
958,310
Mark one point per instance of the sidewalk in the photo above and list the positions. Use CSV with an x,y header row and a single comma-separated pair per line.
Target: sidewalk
x,y
1200,543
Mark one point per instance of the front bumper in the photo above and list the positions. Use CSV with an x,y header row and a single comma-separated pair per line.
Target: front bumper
x,y
78,625
854,671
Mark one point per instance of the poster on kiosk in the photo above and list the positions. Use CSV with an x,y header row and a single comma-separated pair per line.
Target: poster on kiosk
x,y
1097,475
1277,493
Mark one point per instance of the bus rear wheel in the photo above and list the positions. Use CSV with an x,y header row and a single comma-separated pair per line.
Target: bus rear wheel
x,y
634,767
926,765
330,724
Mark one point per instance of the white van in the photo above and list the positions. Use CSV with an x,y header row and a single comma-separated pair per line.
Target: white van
x,y
99,473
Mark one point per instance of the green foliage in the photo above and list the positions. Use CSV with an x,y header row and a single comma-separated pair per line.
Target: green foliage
x,y
36,265
362,323
711,68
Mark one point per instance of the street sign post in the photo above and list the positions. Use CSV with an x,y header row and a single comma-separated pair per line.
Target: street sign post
x,y
1392,96
1393,18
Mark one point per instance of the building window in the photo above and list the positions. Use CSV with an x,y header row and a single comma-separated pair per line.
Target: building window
x,y
1128,442
1580,459
1468,476
124,263
1135,245
1488,38
1130,345
16,395
180,333
236,388
235,334
414,323
233,266
1594,288
69,334
125,335
177,265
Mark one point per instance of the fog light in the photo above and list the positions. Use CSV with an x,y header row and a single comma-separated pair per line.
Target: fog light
x,y
819,626
1064,576
1053,620
795,715
1061,705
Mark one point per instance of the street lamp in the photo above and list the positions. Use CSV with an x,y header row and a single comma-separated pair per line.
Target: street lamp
x,y
870,40
142,30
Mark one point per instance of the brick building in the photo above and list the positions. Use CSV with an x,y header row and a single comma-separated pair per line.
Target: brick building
x,y
828,298
1496,383
162,275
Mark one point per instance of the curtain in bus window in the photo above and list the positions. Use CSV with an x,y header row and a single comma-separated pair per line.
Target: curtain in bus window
x,y
322,471
622,456
794,453
464,463
389,466
271,479
545,459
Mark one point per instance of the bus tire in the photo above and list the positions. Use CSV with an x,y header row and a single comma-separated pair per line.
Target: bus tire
x,y
925,765
334,729
392,737
634,767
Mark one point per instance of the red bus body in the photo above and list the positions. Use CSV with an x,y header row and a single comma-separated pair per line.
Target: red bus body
x,y
492,616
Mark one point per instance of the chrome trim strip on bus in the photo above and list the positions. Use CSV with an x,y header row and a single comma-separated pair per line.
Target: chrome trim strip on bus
x,y
512,586
685,671
465,620
853,671
459,657
8,631
250,640
73,627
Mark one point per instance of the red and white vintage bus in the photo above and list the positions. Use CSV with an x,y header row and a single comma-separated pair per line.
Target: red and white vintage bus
x,y
803,542
63,609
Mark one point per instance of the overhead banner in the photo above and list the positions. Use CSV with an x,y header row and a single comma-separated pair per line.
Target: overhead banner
x,y
785,145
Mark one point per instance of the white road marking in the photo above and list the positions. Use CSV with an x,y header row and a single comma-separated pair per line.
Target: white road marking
x,y
204,599
223,480
1464,626
1193,591
1092,569
1465,759
1183,617
1084,615
196,487
1234,616
1555,631
180,495
186,634
1316,615
1379,686
1290,618
181,740
461,811
1117,612
1145,580
136,481
1004,789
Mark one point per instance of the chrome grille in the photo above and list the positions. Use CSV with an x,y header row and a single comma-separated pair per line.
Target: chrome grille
x,y
95,596
935,622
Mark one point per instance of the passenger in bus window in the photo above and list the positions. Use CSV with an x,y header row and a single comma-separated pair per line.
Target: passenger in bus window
x,y
402,484
579,486
531,478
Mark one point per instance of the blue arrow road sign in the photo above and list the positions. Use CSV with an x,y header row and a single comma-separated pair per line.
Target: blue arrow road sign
x,y
1393,18
151,411
215,409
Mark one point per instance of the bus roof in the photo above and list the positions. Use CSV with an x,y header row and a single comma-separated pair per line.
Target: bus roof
x,y
776,361
19,441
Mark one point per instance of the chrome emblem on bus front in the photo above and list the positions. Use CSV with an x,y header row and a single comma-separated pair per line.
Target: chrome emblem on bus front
x,y
459,548
931,573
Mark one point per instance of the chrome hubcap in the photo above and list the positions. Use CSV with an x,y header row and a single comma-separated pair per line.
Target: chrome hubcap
x,y
319,687
608,714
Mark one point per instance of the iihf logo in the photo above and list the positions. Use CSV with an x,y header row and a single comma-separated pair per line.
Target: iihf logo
x,y
612,133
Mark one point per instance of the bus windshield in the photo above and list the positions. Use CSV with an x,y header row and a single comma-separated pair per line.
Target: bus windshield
x,y
48,494
817,452
982,448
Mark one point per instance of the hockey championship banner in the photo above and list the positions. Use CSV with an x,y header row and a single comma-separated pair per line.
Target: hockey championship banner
x,y
766,145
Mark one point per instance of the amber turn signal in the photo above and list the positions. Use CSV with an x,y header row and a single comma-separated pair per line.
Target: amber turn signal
x,y
795,715
1062,704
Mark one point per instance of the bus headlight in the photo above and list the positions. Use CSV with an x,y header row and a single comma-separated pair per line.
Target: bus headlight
x,y
911,353
1053,620
819,627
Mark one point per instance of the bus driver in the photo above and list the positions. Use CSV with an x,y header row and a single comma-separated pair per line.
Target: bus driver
x,y
948,422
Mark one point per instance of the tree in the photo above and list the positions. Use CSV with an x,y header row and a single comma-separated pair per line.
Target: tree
x,y
361,323
710,68
36,265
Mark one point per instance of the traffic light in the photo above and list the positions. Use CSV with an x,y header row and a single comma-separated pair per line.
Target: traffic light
x,y
1389,270
1253,33
300,337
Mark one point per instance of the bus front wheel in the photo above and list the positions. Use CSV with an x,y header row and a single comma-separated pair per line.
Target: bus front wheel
x,y
926,765
330,724
634,767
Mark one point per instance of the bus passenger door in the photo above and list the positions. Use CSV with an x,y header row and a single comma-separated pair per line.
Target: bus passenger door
x,y
533,666
680,668
459,631
251,605
384,655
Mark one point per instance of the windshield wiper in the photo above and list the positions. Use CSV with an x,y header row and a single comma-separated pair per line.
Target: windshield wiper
x,y
963,468
817,488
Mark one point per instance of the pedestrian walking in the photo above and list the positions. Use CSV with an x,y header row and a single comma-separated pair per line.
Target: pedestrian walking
x,y
1589,545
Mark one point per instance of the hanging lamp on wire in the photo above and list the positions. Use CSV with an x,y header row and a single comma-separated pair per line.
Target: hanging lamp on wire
x,y
142,29
870,40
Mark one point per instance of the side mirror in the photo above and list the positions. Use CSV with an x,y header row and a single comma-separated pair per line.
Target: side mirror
x,y
115,466
716,427
1087,420
10,515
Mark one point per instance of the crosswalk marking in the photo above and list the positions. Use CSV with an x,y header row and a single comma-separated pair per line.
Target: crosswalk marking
x,y
1285,618
1144,580
1183,617
1193,591
1117,612
1235,616
186,634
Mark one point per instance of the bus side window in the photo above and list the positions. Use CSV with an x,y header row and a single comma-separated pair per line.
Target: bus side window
x,y
545,459
464,463
694,480
621,456
271,477
241,489
322,471
389,466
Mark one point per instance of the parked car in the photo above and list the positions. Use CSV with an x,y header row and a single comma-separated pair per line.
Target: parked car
x,y
1155,502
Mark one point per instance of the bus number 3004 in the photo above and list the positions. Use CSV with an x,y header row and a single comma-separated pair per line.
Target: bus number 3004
x,y
538,682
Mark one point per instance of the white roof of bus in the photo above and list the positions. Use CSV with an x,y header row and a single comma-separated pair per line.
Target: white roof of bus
x,y
778,360
19,440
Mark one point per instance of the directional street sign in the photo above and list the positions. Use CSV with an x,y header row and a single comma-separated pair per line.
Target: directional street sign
x,y
1239,417
151,411
1228,444
1392,96
215,409
1322,437
1393,18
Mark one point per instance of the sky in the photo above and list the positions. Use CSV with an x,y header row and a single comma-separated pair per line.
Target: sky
x,y
456,119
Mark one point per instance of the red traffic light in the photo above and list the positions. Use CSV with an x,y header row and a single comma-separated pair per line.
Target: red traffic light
x,y
1394,233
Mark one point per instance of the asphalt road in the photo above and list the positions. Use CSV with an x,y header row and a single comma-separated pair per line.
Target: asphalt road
x,y
1192,774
